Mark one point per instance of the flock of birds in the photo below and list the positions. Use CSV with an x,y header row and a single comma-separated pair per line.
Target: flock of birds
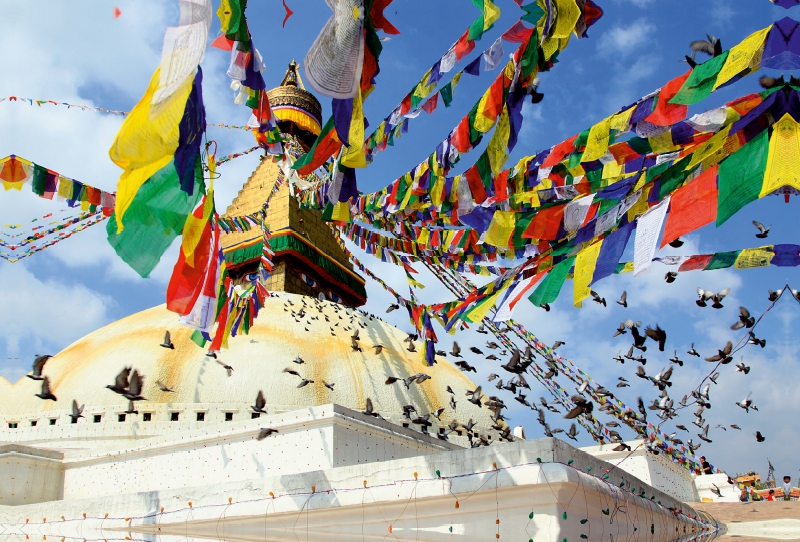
x,y
129,383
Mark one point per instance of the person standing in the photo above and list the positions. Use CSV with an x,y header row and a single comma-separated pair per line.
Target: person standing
x,y
787,488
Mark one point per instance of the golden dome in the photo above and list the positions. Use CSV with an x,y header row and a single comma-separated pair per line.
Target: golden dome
x,y
291,102
82,370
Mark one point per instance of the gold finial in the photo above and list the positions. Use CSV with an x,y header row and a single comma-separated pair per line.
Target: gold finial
x,y
292,77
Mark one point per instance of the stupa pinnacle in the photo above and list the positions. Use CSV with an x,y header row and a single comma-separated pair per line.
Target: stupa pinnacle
x,y
308,259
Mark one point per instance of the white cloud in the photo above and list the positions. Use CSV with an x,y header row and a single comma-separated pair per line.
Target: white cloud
x,y
721,12
42,316
626,40
532,121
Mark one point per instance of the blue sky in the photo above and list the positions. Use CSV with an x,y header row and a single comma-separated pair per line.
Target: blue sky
x,y
55,297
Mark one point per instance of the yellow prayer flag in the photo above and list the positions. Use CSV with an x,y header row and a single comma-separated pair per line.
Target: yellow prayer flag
x,y
147,140
193,227
612,170
741,56
641,206
784,155
341,212
479,313
490,14
64,188
437,192
424,236
568,14
408,194
354,156
424,88
753,257
500,229
498,145
597,142
530,196
662,143
549,47
454,189
627,268
620,121
709,147
482,123
379,133
585,263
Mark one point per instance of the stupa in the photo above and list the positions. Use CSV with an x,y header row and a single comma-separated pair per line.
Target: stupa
x,y
195,458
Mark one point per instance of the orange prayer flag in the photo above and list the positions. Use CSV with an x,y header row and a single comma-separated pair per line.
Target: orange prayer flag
x,y
117,13
692,206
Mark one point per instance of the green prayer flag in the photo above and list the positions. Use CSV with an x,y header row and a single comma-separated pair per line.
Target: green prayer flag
x,y
722,260
656,171
530,57
582,139
532,13
321,142
700,82
485,170
641,145
447,94
741,176
672,178
39,182
327,213
475,30
198,339
550,287
156,216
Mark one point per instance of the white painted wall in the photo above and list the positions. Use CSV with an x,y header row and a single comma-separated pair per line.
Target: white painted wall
x,y
656,470
703,484
406,494
29,476
311,439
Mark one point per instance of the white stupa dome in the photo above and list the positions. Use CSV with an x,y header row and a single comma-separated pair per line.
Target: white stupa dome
x,y
202,385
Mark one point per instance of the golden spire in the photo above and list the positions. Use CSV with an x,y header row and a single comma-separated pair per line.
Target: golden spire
x,y
292,77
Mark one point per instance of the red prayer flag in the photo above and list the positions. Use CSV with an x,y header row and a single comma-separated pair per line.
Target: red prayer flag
x,y
692,206
560,151
186,282
545,224
379,19
494,105
431,104
476,184
405,105
622,152
665,113
222,43
460,138
695,262
464,46
518,33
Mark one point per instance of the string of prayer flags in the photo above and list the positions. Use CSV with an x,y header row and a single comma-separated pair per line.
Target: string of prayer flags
x,y
86,220
84,107
245,69
16,172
